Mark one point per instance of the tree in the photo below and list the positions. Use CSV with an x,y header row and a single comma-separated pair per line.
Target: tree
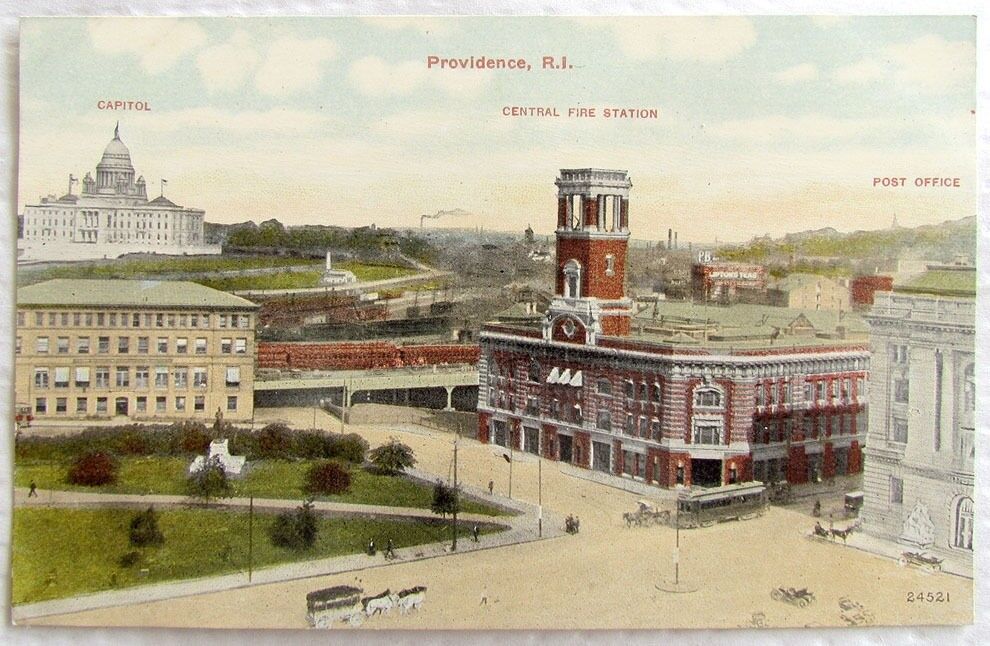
x,y
94,469
392,457
209,481
274,441
144,529
349,448
327,477
295,530
446,499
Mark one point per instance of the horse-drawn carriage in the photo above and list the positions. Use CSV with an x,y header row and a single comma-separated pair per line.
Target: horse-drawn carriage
x,y
794,596
329,605
705,507
646,515
921,560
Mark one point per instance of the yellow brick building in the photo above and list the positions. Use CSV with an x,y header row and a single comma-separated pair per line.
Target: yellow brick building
x,y
142,350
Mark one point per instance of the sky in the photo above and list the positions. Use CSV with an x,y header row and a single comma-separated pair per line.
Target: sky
x,y
766,125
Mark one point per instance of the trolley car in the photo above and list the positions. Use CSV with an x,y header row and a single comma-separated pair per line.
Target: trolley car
x,y
705,507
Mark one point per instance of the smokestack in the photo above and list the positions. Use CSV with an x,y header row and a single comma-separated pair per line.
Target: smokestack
x,y
675,240
670,238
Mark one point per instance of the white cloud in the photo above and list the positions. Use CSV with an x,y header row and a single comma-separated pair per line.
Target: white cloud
x,y
827,22
707,39
861,72
928,64
226,66
956,130
292,65
428,26
376,77
157,42
798,73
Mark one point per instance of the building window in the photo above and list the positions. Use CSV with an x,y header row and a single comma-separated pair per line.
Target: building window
x,y
136,320
181,345
708,398
62,345
901,388
225,346
576,415
41,345
234,377
62,377
163,345
604,420
707,432
657,393
161,376
61,404
896,490
629,388
180,403
181,377
572,279
534,371
201,345
240,346
643,392
103,345
533,406
39,319
232,402
123,344
199,377
40,406
964,524
81,405
609,265
160,404
630,424
41,377
899,430
102,377
604,387
199,403
21,318
141,377
123,377
17,345
82,345
655,429
900,354
101,404
82,377
142,345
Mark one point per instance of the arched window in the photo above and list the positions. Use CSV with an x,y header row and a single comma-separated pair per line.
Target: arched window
x,y
969,389
964,524
572,279
708,398
534,370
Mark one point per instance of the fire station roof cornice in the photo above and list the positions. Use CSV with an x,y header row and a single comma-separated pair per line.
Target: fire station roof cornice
x,y
591,180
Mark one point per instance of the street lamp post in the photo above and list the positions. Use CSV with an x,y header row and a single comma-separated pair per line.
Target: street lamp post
x,y
539,490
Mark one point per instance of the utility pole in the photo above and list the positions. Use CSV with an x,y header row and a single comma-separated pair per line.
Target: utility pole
x,y
250,537
677,545
511,456
539,489
453,546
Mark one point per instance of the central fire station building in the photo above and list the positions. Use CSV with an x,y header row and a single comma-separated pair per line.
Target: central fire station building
x,y
672,393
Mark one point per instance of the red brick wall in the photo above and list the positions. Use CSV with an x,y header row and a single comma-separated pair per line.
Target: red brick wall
x,y
483,419
591,254
619,457
590,211
515,435
862,288
743,465
616,325
549,445
580,333
797,465
583,440
855,457
666,472
828,461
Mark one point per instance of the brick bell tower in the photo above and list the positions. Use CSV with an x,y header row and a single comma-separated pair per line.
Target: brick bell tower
x,y
592,239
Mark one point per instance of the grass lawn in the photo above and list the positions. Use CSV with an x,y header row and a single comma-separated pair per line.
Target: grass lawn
x,y
66,552
365,271
265,479
281,280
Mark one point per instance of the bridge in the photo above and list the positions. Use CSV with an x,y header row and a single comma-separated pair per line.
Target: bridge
x,y
429,386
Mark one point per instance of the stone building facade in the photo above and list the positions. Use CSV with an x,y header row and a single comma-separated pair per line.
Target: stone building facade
x,y
673,393
920,458
143,350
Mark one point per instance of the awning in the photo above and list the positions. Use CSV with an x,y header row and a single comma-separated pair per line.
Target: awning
x,y
552,377
577,380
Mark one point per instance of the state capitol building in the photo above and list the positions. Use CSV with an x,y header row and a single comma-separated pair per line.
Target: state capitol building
x,y
111,216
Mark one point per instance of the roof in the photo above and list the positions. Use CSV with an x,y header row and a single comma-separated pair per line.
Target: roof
x,y
947,280
70,292
161,200
791,282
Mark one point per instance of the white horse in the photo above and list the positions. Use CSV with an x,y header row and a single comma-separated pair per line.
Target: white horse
x,y
411,599
381,603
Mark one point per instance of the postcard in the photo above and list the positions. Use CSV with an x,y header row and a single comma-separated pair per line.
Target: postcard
x,y
495,323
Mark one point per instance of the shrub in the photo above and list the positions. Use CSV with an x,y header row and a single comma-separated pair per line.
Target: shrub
x,y
193,438
312,445
445,499
295,530
392,457
349,448
209,481
94,469
129,559
144,529
131,441
327,478
274,441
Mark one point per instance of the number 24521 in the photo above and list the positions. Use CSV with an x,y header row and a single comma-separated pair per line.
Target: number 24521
x,y
928,597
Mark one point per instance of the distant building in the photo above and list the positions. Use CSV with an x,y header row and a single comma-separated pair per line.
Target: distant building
x,y
667,393
720,281
808,292
920,451
863,288
142,350
333,276
110,217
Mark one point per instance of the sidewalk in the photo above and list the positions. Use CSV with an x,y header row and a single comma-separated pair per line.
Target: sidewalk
x,y
522,529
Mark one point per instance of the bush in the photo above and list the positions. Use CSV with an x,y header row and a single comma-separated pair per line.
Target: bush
x,y
349,448
295,530
312,445
193,438
94,469
327,478
130,559
131,441
393,457
209,481
274,441
144,529
445,499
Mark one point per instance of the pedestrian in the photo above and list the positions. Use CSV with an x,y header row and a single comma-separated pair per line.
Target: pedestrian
x,y
371,547
33,492
491,487
390,549
474,532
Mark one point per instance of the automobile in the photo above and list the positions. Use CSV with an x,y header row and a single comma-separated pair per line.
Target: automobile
x,y
794,596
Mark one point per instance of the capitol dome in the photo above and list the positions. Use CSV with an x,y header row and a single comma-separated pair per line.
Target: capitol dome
x,y
116,154
115,173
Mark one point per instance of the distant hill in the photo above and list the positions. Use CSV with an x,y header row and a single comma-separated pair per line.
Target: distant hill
x,y
842,253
